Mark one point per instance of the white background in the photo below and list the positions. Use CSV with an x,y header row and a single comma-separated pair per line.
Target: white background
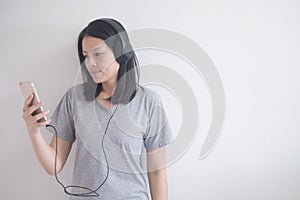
x,y
255,47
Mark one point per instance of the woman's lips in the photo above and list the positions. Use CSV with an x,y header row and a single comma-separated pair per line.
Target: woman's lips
x,y
95,72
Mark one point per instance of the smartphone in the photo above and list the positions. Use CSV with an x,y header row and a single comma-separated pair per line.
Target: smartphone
x,y
27,88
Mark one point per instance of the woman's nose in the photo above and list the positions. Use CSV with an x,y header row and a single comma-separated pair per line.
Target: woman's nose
x,y
92,62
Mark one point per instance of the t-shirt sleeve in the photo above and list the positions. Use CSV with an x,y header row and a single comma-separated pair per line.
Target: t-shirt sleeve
x,y
62,119
158,133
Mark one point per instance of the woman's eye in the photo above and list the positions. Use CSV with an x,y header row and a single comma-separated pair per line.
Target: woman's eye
x,y
98,54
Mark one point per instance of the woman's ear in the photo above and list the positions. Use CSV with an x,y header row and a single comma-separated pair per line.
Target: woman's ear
x,y
117,50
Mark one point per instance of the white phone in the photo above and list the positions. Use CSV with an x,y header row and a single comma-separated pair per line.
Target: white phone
x,y
27,88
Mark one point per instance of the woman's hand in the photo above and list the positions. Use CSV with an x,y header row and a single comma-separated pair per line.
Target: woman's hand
x,y
31,121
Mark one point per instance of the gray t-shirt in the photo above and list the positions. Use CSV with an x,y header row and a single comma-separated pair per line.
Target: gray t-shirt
x,y
135,127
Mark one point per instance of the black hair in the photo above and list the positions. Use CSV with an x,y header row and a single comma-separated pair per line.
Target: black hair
x,y
128,75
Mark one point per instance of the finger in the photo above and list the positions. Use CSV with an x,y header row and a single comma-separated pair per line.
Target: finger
x,y
41,115
28,100
40,124
35,107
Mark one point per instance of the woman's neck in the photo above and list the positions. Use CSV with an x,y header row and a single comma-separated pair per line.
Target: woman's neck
x,y
108,87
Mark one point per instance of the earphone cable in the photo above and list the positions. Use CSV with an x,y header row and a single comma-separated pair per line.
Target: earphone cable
x,y
91,193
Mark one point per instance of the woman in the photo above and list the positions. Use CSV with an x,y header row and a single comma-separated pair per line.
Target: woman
x,y
120,127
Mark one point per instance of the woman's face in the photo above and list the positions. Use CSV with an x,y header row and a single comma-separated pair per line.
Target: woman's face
x,y
99,59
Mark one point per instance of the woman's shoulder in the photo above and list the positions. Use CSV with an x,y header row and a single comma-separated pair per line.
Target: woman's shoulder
x,y
78,86
149,94
74,90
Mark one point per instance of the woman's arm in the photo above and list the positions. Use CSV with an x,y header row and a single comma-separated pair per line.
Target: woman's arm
x,y
157,174
46,152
